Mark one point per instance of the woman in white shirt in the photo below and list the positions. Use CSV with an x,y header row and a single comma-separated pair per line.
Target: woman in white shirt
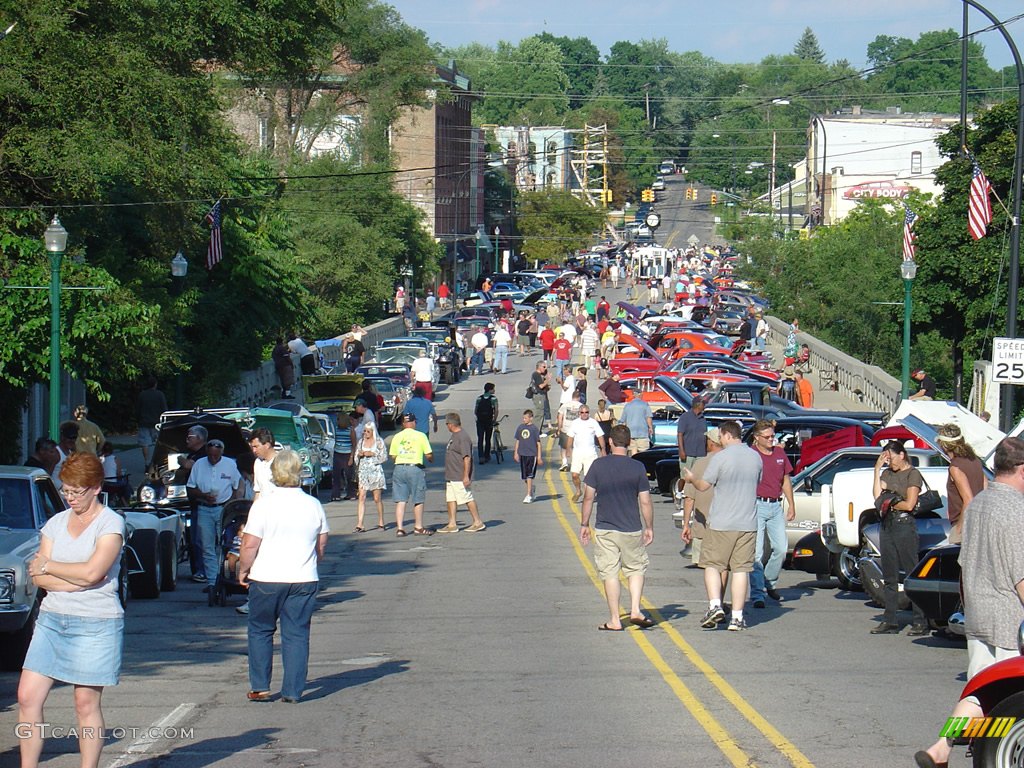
x,y
285,536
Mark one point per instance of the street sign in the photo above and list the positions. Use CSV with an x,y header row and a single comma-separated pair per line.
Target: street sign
x,y
693,240
1007,361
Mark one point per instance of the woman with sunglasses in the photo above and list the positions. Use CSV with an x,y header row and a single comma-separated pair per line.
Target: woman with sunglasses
x,y
80,630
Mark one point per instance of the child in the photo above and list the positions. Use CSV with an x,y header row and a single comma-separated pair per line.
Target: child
x,y
234,552
527,451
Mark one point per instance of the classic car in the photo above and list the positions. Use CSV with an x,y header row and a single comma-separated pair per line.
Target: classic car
x,y
443,350
322,428
331,393
399,373
156,543
395,398
407,354
289,431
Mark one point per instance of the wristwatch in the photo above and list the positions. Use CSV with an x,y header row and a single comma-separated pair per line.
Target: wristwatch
x,y
42,568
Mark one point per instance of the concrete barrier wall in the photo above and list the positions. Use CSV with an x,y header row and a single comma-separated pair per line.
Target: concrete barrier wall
x,y
254,388
868,384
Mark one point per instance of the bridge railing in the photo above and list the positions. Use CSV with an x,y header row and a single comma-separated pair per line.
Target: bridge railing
x,y
256,387
836,370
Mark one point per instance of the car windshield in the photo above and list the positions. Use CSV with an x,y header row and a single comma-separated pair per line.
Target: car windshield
x,y
397,354
15,504
382,386
438,335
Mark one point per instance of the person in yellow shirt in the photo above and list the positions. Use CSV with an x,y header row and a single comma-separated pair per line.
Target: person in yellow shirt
x,y
408,481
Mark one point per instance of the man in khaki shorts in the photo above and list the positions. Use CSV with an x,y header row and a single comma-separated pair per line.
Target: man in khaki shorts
x,y
458,475
734,472
623,527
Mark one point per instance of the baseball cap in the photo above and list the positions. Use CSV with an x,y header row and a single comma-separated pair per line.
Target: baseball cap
x,y
918,372
408,416
714,436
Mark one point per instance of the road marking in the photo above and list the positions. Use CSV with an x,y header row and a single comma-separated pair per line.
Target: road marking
x,y
726,743
730,694
144,743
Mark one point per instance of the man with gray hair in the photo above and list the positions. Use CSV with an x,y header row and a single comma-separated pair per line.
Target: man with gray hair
x,y
458,475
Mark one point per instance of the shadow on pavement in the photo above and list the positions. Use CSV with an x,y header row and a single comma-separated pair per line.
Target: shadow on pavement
x,y
322,687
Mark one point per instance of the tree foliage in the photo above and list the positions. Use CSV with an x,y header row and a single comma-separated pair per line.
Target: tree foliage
x,y
808,49
553,223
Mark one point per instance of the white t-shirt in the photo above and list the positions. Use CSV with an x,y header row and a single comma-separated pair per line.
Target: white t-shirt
x,y
583,433
568,387
262,479
99,601
479,341
220,479
502,338
568,332
289,523
422,369
299,347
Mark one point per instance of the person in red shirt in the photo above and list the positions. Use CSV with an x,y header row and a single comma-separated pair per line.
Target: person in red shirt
x,y
442,294
547,342
563,355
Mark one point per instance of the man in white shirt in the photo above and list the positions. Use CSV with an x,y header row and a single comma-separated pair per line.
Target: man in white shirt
x,y
568,331
502,341
212,483
568,387
586,439
262,444
307,363
422,370
479,343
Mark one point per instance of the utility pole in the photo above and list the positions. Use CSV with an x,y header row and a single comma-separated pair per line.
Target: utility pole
x,y
604,172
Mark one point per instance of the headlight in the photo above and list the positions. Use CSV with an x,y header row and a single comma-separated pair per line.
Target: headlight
x,y
6,586
325,456
167,476
147,494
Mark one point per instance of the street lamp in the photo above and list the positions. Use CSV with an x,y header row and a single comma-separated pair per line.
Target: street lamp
x,y
179,265
481,237
497,234
56,239
908,270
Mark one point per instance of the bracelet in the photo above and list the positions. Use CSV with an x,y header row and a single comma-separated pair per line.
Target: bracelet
x,y
42,568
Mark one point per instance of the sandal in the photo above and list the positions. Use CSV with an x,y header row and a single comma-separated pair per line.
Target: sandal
x,y
380,528
401,532
258,696
359,529
423,531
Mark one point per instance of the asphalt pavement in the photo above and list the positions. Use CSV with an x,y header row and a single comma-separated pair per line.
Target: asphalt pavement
x,y
482,649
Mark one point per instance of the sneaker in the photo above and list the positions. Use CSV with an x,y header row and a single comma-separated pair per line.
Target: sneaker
x,y
917,630
543,435
773,593
712,617
449,529
759,603
564,468
737,625
200,578
475,527
243,608
527,499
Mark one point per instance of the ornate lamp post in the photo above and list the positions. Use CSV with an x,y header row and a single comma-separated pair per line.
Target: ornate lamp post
x,y
56,239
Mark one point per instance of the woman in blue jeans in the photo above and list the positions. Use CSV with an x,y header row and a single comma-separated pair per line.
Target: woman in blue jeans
x,y
284,539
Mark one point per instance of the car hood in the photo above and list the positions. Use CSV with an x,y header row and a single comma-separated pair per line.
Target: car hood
x,y
281,423
923,418
331,389
17,544
172,434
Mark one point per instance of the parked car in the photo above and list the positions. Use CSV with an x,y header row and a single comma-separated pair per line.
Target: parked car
x,y
395,398
399,373
289,432
445,354
331,394
155,543
323,428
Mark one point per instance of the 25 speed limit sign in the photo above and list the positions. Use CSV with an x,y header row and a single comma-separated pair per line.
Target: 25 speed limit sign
x,y
1008,361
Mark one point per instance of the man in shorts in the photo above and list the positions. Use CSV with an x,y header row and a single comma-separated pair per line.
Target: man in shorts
x,y
458,475
527,451
734,472
586,438
623,527
408,482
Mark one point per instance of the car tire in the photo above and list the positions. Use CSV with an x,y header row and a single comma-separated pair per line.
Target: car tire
x,y
169,554
14,646
845,568
146,585
1009,749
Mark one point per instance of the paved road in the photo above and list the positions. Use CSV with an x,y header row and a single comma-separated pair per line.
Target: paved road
x,y
482,650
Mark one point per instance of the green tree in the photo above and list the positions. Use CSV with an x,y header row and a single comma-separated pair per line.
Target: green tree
x,y
554,223
582,62
808,49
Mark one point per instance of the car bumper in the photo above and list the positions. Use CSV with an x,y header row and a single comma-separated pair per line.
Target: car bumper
x,y
13,617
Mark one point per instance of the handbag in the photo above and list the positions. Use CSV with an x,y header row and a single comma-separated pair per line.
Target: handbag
x,y
927,501
529,392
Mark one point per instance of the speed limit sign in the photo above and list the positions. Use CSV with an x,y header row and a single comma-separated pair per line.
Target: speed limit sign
x,y
1007,361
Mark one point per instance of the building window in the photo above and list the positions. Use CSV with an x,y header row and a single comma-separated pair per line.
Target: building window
x,y
915,163
264,137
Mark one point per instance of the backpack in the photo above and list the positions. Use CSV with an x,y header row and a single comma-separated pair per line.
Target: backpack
x,y
484,407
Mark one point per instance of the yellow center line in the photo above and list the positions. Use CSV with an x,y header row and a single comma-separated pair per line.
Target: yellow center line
x,y
770,732
726,743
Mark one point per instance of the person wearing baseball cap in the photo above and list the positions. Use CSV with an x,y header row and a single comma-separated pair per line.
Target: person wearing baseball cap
x,y
925,385
212,483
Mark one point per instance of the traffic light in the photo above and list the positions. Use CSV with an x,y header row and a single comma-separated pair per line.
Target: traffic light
x,y
606,195
647,196
714,199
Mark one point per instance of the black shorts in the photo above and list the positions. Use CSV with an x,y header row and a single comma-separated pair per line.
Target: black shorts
x,y
528,467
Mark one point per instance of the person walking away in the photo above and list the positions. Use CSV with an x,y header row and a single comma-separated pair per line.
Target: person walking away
x,y
90,436
502,341
638,416
212,483
966,478
307,362
284,541
486,412
526,449
623,527
343,466
898,540
540,385
691,429
547,343
422,370
776,484
370,455
697,504
431,303
992,568
409,448
534,329
523,334
734,473
422,409
150,405
589,344
442,295
478,341
458,476
787,384
804,390
585,442
79,633
283,367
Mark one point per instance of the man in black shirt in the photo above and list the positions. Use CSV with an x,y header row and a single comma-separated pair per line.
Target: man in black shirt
x,y
45,456
925,385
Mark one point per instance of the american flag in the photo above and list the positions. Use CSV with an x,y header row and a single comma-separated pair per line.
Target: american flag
x,y
979,205
214,253
909,238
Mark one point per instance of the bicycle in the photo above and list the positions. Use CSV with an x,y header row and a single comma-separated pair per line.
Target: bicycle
x,y
497,444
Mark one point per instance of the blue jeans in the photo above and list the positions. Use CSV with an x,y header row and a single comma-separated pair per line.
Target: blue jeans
x,y
560,367
209,540
501,358
476,362
770,520
293,604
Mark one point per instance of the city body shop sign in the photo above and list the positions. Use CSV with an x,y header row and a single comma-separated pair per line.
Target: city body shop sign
x,y
879,189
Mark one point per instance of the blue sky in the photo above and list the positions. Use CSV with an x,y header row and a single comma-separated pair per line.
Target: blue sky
x,y
729,31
